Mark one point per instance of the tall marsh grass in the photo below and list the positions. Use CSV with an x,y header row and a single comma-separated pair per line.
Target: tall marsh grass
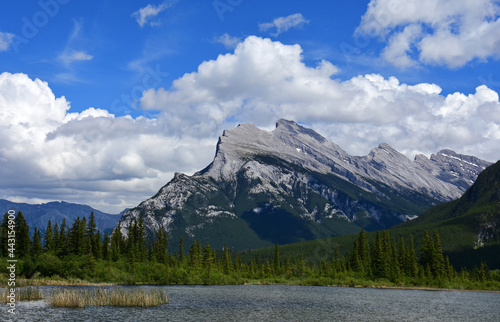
x,y
22,294
108,297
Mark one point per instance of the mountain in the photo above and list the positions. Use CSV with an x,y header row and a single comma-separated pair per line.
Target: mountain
x,y
469,226
39,215
291,184
469,229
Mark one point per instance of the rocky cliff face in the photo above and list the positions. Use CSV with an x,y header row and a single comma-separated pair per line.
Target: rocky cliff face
x,y
292,184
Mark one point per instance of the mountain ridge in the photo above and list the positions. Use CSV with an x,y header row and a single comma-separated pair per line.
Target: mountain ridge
x,y
39,214
294,176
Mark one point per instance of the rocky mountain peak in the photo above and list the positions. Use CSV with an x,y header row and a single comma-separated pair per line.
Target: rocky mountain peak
x,y
293,179
291,128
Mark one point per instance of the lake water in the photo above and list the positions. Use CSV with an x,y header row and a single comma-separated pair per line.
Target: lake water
x,y
282,303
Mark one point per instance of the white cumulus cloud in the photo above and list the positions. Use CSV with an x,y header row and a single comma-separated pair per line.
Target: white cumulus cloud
x,y
265,80
49,152
437,32
283,24
93,157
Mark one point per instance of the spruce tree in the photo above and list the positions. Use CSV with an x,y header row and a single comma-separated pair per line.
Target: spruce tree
x,y
207,257
76,238
402,255
437,263
23,241
90,236
276,264
160,247
193,256
376,256
36,243
106,253
97,246
181,250
4,236
411,260
63,239
116,243
427,250
57,240
386,254
226,261
364,251
48,240
141,240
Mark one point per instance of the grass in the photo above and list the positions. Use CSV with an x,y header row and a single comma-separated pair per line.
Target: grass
x,y
22,294
21,282
102,297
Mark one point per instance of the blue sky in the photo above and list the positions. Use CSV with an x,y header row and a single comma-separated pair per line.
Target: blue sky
x,y
114,97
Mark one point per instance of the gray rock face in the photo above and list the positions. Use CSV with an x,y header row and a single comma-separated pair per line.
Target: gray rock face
x,y
293,171
445,176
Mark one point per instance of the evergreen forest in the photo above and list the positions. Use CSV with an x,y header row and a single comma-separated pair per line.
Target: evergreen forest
x,y
81,252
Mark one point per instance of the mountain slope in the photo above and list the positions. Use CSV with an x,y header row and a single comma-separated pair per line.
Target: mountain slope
x,y
476,214
469,229
292,184
39,215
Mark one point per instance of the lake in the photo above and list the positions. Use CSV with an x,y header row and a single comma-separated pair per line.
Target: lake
x,y
282,303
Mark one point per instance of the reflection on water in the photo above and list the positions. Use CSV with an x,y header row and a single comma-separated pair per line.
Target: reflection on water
x,y
282,303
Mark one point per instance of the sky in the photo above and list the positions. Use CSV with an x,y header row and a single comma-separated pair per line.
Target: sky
x,y
101,102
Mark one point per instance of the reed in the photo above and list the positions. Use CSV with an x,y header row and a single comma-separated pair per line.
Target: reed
x,y
23,294
103,297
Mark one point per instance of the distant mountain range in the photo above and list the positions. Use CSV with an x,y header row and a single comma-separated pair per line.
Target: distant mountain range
x,y
291,184
39,215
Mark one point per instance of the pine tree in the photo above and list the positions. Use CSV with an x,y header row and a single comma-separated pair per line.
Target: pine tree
x,y
354,260
90,237
106,252
160,247
395,269
36,243
286,265
437,263
411,260
238,264
181,250
276,264
427,250
363,251
76,237
57,239
226,261
97,247
141,240
449,271
23,241
4,235
402,255
48,240
63,239
207,257
116,243
193,256
386,254
376,256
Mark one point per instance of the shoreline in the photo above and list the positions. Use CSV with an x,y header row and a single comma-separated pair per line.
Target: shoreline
x,y
49,282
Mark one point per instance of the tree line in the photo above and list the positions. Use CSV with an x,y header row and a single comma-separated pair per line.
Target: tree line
x,y
82,251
